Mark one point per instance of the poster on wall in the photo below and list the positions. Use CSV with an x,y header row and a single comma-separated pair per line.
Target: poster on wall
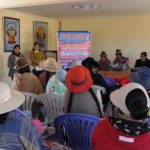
x,y
41,34
73,47
11,33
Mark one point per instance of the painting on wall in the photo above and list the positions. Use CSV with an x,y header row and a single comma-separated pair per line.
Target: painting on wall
x,y
41,34
11,33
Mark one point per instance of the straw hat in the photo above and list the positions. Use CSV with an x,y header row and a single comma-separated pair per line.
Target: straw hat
x,y
9,100
21,63
79,79
50,65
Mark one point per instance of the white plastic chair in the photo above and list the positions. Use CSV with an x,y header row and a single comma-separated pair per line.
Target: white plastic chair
x,y
52,103
29,99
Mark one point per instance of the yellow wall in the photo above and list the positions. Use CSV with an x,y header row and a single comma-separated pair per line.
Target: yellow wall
x,y
130,33
26,37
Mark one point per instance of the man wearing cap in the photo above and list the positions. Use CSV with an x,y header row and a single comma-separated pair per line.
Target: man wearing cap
x,y
128,128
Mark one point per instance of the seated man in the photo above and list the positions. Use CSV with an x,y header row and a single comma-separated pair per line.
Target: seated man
x,y
120,62
143,61
16,133
128,128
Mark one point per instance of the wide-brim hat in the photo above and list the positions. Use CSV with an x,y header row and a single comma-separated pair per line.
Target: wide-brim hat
x,y
79,79
118,97
9,100
118,51
50,65
21,63
103,54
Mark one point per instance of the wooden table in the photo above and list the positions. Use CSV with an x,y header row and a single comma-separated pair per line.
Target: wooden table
x,y
115,75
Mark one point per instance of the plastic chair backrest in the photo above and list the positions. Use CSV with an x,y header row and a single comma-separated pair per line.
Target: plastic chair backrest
x,y
19,114
110,82
77,129
29,99
52,103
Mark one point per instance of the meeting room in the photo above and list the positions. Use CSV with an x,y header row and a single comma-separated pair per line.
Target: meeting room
x,y
75,75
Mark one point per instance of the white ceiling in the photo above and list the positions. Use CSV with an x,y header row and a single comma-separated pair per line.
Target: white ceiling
x,y
108,8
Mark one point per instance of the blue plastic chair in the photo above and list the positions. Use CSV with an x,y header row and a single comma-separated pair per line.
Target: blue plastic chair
x,y
75,130
110,82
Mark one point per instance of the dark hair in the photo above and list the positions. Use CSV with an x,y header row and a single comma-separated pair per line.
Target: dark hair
x,y
144,53
89,63
136,103
94,97
3,118
36,43
16,46
24,70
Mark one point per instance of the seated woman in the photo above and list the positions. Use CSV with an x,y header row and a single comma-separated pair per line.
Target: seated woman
x,y
17,133
24,80
128,128
142,76
50,66
120,62
92,65
104,62
81,97
55,83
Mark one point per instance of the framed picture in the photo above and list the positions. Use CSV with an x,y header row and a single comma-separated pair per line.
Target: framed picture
x,y
41,34
51,53
11,33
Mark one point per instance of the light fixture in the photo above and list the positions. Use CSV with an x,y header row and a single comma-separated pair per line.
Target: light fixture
x,y
86,6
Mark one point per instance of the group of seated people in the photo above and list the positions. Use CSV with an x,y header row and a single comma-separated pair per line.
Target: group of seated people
x,y
124,109
121,62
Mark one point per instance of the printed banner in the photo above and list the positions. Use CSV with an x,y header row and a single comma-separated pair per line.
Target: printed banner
x,y
73,47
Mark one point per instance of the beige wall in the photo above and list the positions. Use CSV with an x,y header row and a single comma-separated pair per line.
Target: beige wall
x,y
26,37
130,33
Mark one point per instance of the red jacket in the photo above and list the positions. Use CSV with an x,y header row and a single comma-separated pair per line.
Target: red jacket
x,y
106,137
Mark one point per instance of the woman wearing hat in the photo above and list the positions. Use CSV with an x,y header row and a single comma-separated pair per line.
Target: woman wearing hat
x,y
92,65
128,128
81,97
17,133
50,66
104,62
12,60
24,80
120,62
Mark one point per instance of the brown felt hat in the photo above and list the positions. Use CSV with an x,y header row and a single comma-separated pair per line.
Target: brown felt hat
x,y
21,63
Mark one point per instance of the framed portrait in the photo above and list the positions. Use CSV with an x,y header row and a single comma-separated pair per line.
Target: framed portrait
x,y
41,34
11,33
